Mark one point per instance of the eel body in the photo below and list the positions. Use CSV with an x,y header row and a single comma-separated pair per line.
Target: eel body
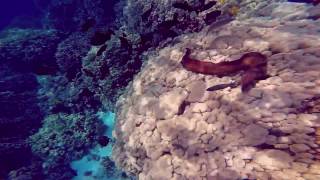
x,y
254,65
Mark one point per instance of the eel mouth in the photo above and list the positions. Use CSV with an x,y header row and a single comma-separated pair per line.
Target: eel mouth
x,y
254,65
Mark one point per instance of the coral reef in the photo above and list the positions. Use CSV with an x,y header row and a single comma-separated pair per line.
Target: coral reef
x,y
63,138
28,50
112,171
71,15
156,21
20,117
112,70
105,72
70,52
23,54
44,68
90,50
33,171
170,127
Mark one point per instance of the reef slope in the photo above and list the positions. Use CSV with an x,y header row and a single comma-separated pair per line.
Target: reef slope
x,y
170,127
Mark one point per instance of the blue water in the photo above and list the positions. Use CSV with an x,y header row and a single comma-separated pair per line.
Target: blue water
x,y
93,165
11,9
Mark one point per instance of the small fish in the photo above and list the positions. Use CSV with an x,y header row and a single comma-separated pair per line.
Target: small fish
x,y
103,141
222,86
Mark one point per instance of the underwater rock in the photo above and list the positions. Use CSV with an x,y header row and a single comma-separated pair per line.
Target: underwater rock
x,y
101,50
28,50
262,134
314,12
111,71
70,52
100,37
20,116
32,171
87,25
24,53
199,7
184,16
311,105
73,15
81,79
212,17
63,138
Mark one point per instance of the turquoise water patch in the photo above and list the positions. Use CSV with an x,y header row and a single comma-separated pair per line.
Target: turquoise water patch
x,y
108,118
90,166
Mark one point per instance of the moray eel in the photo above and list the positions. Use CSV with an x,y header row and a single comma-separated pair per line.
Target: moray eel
x,y
254,65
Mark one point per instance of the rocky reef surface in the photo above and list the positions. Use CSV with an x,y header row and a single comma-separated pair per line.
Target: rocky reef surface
x,y
170,127
24,54
55,78
77,62
101,59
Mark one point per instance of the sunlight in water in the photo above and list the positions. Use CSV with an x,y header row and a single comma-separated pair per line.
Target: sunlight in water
x,y
91,163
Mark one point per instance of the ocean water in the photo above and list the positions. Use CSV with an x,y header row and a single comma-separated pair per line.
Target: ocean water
x,y
13,13
94,165
66,73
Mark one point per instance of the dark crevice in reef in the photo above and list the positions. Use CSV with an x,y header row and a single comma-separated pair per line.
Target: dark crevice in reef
x,y
88,24
182,107
105,71
208,5
310,105
202,7
183,5
264,146
277,133
146,14
100,37
212,16
101,49
20,117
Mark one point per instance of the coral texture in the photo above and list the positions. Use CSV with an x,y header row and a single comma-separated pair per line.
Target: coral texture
x,y
156,20
29,50
63,138
71,15
23,54
70,52
170,127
